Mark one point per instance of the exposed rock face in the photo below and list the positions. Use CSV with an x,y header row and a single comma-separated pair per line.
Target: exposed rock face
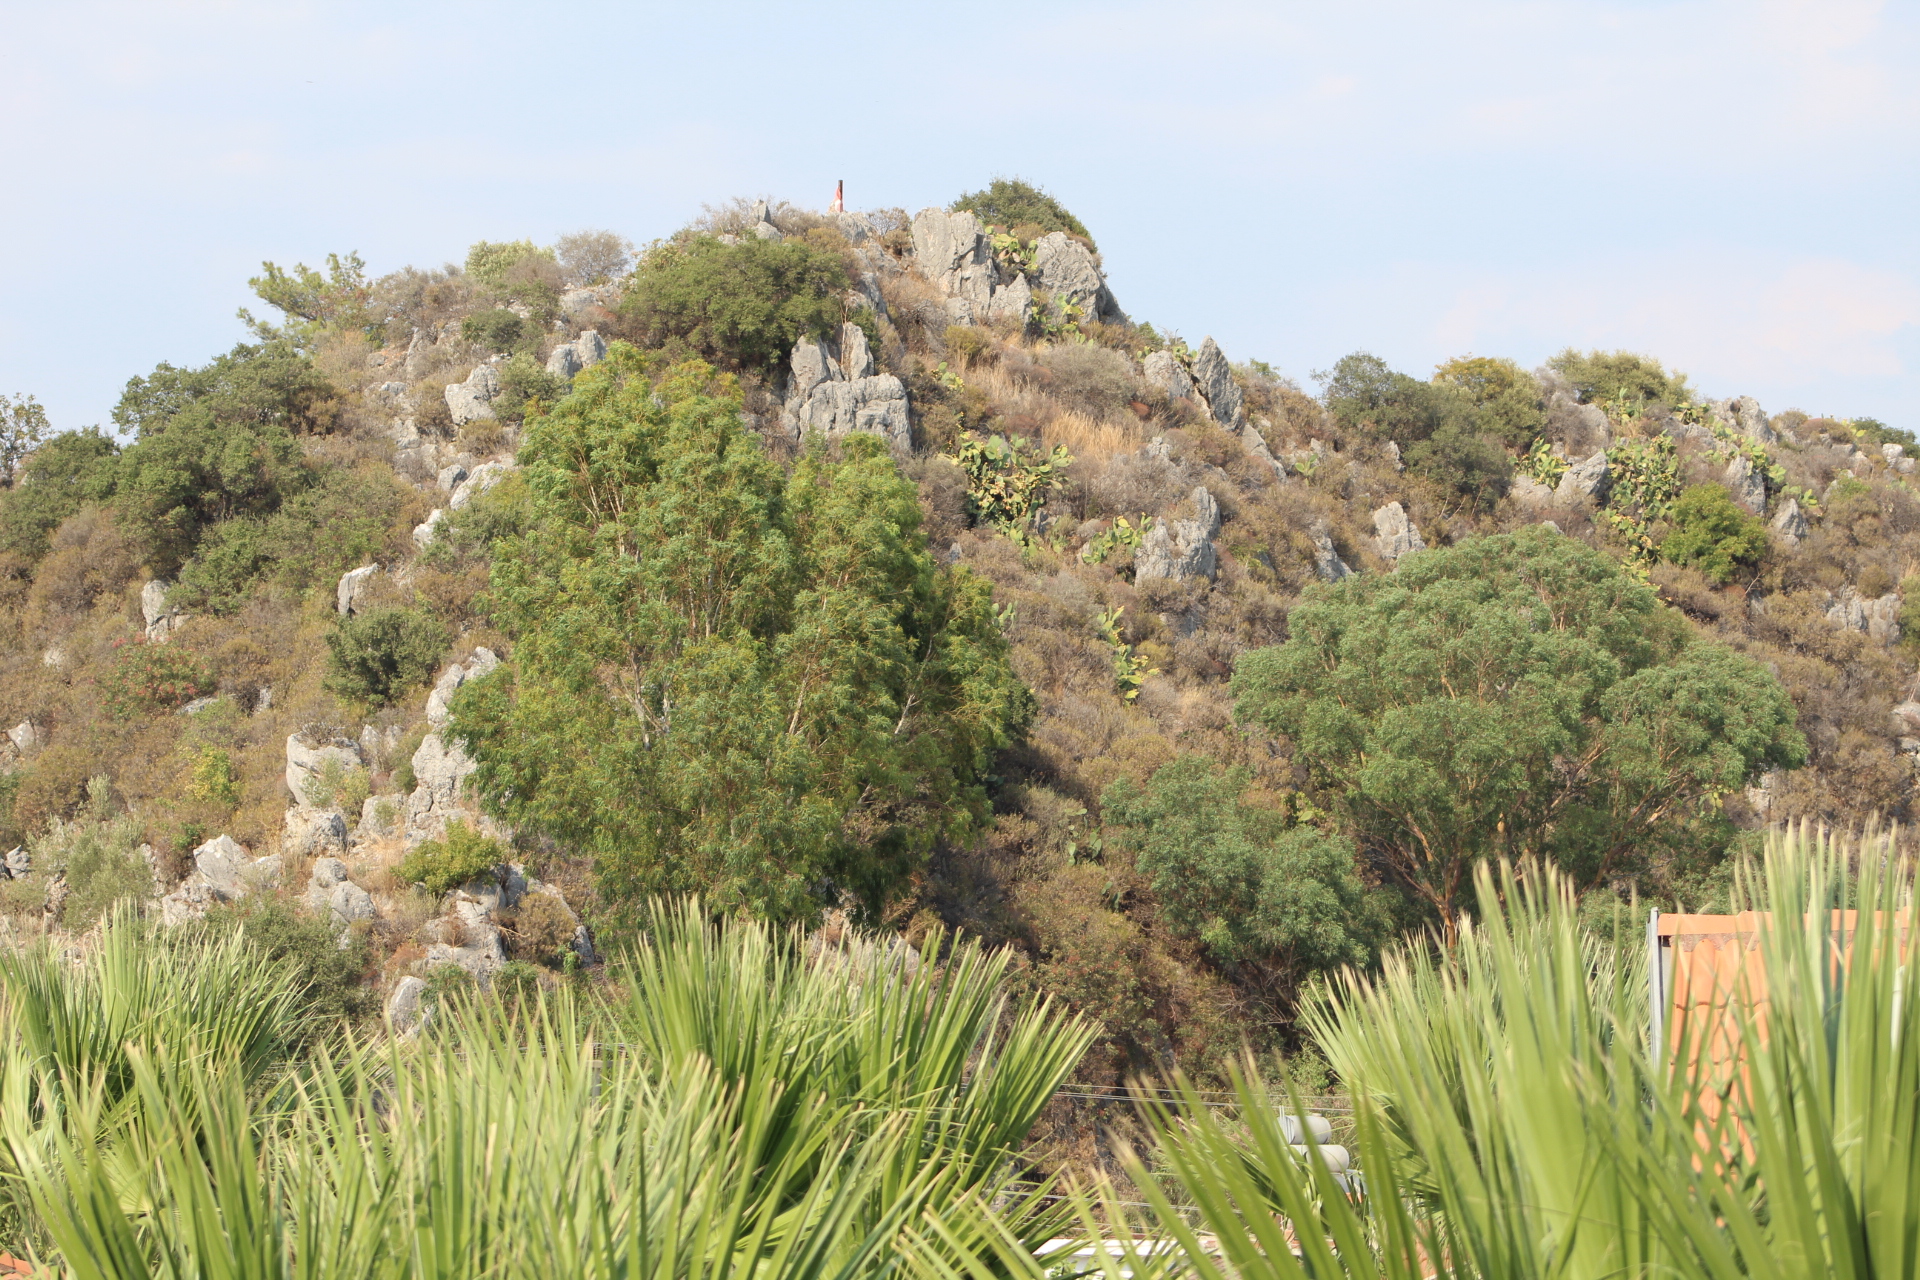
x,y
1012,302
1181,549
1587,480
473,399
1581,427
162,619
834,390
440,769
1879,618
307,754
1745,416
1326,561
380,818
351,595
331,895
479,664
423,533
1790,523
470,939
1164,371
315,833
583,352
484,477
1896,457
575,303
1529,492
450,477
222,872
407,1011
1066,268
1256,444
1214,380
17,864
1394,534
26,737
1748,486
953,252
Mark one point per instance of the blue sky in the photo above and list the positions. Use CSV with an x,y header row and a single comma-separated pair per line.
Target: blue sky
x,y
1729,186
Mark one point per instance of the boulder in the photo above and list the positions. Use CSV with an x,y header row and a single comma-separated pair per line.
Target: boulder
x,y
1587,480
1326,561
315,833
1745,416
484,477
1181,549
1164,372
26,737
222,872
1529,492
1012,303
1582,427
450,477
1749,487
381,818
833,389
1896,457
478,664
765,231
407,1010
1214,380
162,619
1790,523
18,864
954,254
1255,443
350,596
440,769
335,898
470,939
856,357
473,399
423,533
1066,268
583,352
1878,618
1394,534
307,754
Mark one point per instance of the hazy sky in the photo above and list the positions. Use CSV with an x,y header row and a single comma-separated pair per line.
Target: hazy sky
x,y
1729,186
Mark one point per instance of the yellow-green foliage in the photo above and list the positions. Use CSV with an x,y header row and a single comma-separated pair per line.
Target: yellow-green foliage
x,y
463,854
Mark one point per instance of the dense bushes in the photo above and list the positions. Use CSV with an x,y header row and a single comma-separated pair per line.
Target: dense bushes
x,y
464,853
1713,535
737,306
1628,384
384,653
1022,208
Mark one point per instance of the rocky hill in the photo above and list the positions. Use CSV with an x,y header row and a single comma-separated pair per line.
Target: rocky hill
x,y
237,637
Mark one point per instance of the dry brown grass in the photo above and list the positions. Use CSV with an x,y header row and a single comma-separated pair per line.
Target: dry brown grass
x,y
1087,437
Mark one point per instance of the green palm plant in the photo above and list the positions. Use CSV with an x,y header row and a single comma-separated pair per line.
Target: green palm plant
x,y
1511,1120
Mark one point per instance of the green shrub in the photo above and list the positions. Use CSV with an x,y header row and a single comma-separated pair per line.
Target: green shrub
x,y
1621,381
1007,480
496,330
464,854
213,780
525,383
1873,432
738,306
381,654
1011,202
330,967
1712,534
146,677
447,983
516,980
490,263
1507,397
340,786
1470,465
69,471
101,860
1365,394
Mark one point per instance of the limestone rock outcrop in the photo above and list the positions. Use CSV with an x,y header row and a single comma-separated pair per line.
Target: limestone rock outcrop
x,y
440,769
1394,534
1213,378
334,897
222,872
1587,480
583,352
407,1010
161,618
1749,487
1164,371
308,752
484,477
482,661
1066,269
1326,560
833,389
1744,415
1181,549
473,399
1790,523
1878,617
350,596
315,833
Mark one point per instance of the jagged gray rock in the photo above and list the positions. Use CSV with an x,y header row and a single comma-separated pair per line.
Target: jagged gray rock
x,y
332,895
1326,561
569,358
17,865
222,872
1181,549
26,737
484,477
472,400
314,833
449,477
423,533
575,303
1878,617
350,596
469,938
834,390
1529,492
1586,480
1011,302
1790,523
307,754
479,663
380,818
407,1010
1749,487
1580,426
1213,378
161,618
1394,534
1066,268
1164,371
1255,441
1745,416
440,768
954,254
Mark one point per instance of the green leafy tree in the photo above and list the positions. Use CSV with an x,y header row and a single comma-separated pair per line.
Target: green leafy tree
x,y
23,425
1443,434
1364,393
1256,890
736,306
1506,398
312,302
1712,534
491,264
724,679
1512,695
381,654
1011,202
69,471
1621,381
